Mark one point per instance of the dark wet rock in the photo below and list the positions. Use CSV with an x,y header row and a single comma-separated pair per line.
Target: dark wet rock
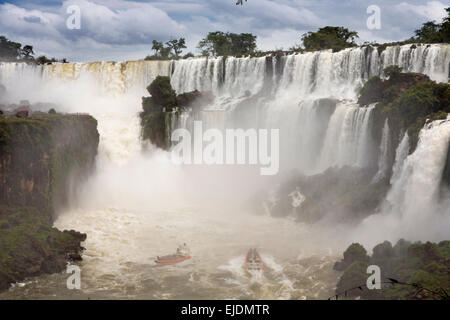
x,y
194,99
164,104
339,195
22,112
38,156
2,91
162,93
30,246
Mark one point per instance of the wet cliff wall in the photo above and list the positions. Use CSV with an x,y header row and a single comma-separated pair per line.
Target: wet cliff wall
x,y
41,160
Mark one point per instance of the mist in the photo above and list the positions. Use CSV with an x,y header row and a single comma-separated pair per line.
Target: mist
x,y
138,204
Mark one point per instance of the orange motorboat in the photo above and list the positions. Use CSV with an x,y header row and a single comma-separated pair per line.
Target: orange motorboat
x,y
253,261
181,255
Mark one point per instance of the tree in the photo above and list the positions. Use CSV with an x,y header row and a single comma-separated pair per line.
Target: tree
x,y
221,44
392,72
157,46
176,45
431,32
336,38
27,52
9,50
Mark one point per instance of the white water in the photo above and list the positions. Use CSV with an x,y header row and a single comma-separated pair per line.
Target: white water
x,y
383,157
412,210
400,155
138,205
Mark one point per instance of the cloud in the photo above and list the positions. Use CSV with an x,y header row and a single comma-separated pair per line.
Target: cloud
x,y
432,10
122,29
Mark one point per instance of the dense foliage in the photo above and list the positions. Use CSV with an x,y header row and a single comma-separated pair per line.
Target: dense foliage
x,y
163,104
432,32
223,44
336,38
421,269
13,51
407,100
171,50
9,50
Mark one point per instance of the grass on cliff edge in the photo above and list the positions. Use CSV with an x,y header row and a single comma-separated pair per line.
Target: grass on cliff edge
x,y
26,239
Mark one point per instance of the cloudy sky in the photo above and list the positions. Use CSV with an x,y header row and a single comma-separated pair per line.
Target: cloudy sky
x,y
124,30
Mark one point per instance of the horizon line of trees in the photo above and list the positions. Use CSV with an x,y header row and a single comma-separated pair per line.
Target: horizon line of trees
x,y
11,51
220,43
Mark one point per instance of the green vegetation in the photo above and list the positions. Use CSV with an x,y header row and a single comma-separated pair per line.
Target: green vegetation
x,y
421,265
220,43
38,156
157,108
431,32
31,246
13,51
407,100
227,44
171,50
9,50
164,104
39,153
336,38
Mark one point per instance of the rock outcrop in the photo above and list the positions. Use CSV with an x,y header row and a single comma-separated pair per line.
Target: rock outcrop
x,y
164,104
42,158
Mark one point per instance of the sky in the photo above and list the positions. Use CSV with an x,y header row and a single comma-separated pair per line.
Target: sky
x,y
122,30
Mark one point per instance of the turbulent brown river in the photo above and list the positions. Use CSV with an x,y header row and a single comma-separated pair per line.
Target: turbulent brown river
x,y
122,246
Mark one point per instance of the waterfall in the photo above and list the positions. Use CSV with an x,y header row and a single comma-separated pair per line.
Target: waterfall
x,y
347,140
400,155
383,158
108,77
422,171
412,209
432,59
290,90
138,204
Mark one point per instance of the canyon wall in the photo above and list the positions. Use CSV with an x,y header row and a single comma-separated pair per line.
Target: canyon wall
x,y
42,158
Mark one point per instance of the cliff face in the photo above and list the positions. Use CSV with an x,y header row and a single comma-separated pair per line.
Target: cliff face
x,y
39,156
164,107
41,159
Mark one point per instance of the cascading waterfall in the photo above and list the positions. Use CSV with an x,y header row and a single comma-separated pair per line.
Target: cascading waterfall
x,y
432,59
422,171
347,139
295,82
383,158
412,209
400,155
138,205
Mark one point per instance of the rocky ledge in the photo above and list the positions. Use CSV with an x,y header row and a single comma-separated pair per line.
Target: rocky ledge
x,y
42,159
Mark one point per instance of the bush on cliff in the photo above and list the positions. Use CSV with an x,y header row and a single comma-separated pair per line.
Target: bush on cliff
x,y
407,100
336,38
39,156
421,265
355,252
164,104
162,93
29,246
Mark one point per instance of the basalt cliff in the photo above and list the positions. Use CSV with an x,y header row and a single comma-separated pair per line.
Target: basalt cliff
x,y
42,158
